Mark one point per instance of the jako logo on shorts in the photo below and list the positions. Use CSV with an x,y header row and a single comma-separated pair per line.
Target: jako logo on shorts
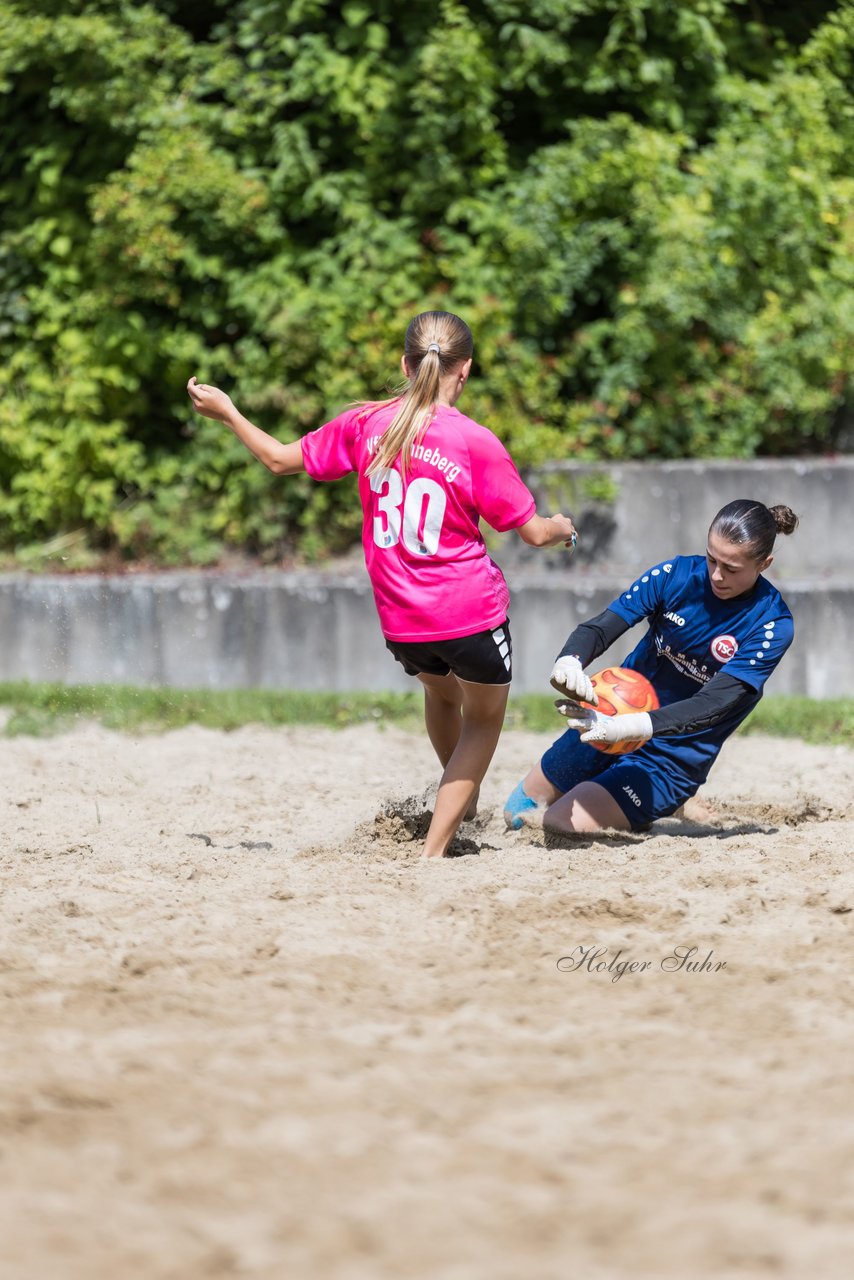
x,y
634,798
724,647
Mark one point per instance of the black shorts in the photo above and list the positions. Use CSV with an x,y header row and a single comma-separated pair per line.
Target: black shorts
x,y
484,658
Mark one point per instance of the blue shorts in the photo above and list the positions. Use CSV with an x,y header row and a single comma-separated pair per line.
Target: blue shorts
x,y
646,783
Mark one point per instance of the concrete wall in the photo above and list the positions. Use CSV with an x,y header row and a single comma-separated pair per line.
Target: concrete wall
x,y
318,629
663,509
217,631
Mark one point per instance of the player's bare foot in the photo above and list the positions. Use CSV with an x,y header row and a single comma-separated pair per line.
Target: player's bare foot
x,y
697,810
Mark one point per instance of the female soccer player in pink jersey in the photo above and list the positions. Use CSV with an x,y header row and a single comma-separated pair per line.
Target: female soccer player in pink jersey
x,y
426,475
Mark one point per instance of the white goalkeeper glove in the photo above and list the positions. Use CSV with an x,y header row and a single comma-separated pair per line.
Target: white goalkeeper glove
x,y
594,727
569,679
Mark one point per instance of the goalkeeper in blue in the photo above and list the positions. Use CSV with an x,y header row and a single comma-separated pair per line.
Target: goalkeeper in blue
x,y
716,630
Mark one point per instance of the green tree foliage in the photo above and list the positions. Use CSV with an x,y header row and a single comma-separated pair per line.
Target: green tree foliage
x,y
643,209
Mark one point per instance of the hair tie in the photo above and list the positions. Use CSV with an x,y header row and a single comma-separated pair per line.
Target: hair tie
x,y
434,346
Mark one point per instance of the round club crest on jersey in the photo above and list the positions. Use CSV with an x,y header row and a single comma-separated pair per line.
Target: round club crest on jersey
x,y
724,647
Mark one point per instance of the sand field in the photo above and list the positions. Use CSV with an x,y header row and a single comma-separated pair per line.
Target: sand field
x,y
246,1031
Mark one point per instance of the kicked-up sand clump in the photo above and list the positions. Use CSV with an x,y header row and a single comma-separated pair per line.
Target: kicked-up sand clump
x,y
403,822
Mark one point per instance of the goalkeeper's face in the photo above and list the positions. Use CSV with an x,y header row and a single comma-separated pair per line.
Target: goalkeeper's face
x,y
732,569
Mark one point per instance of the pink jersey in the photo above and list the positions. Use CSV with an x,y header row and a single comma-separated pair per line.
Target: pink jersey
x,y
428,565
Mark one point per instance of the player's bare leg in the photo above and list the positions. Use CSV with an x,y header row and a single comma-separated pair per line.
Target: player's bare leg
x,y
585,809
443,716
483,708
443,713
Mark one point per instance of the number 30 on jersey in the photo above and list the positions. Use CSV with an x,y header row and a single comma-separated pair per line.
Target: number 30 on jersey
x,y
415,518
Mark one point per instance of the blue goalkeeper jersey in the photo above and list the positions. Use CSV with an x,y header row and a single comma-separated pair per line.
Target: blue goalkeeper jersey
x,y
693,635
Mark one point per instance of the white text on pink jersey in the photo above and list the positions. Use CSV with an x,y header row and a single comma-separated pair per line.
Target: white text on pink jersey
x,y
433,457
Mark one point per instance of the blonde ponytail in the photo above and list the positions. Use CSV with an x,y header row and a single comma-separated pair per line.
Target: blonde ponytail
x,y
436,342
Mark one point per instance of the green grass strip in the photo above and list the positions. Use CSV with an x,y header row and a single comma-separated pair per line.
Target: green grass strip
x,y
43,709
792,716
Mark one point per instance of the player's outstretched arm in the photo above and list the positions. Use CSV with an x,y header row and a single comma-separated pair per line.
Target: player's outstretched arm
x,y
548,531
715,701
281,459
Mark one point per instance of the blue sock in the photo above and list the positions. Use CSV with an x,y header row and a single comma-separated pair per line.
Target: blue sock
x,y
517,802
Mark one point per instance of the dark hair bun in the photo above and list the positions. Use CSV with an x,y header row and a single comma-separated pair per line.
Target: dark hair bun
x,y
784,518
749,523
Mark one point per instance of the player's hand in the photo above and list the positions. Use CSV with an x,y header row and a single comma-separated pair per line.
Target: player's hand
x,y
569,679
210,401
566,532
594,727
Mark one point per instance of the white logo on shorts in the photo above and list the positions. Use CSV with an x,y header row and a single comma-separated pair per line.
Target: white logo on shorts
x,y
635,799
503,646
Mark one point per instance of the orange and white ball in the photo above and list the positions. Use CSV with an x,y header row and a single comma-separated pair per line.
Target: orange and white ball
x,y
621,691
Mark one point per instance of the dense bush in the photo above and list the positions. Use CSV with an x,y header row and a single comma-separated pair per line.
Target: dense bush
x,y
644,211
